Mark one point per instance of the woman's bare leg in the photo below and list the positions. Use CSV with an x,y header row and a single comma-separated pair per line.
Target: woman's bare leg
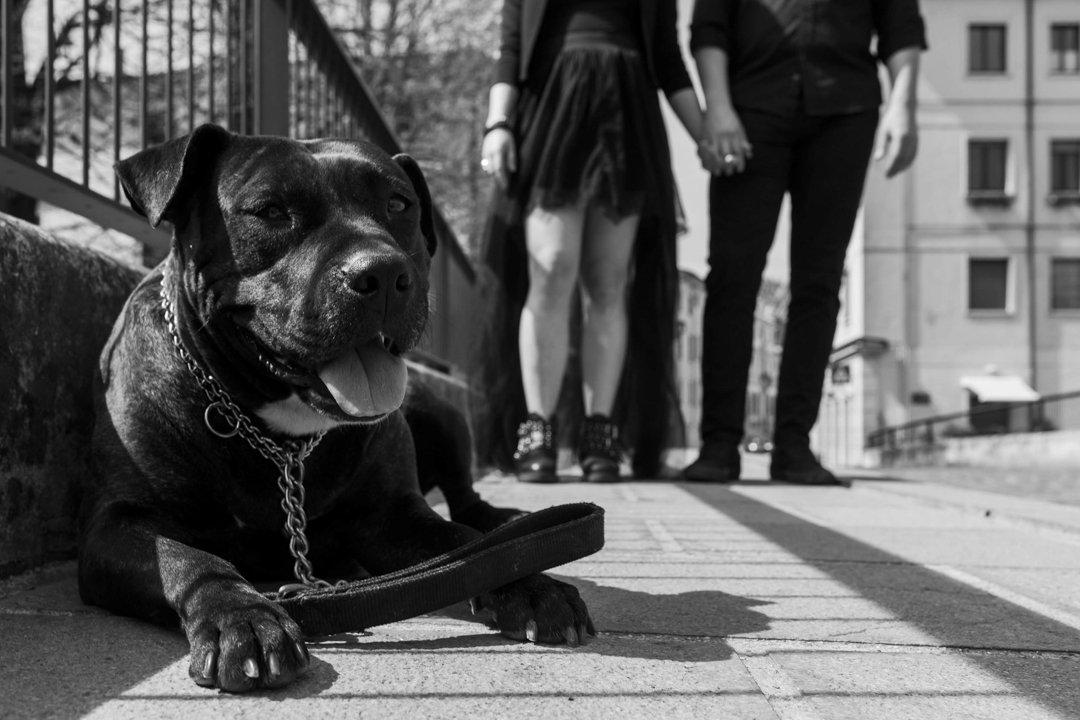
x,y
553,242
605,274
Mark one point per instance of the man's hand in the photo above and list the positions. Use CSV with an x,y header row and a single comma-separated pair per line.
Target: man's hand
x,y
726,140
897,139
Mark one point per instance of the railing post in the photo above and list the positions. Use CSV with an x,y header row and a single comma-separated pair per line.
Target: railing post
x,y
271,68
6,109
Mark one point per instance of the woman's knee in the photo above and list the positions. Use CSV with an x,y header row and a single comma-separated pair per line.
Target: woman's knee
x,y
552,277
605,284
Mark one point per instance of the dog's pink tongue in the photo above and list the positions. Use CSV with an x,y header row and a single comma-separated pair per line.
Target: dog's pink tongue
x,y
367,380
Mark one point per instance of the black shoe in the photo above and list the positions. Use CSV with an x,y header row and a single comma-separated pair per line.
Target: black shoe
x,y
534,460
600,452
718,462
797,465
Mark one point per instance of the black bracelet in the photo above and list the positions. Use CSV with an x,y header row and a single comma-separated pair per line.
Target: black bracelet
x,y
498,125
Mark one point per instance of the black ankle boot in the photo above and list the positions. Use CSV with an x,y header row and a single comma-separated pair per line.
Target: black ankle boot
x,y
718,462
796,464
534,460
600,452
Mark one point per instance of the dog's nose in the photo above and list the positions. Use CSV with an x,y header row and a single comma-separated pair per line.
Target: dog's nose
x,y
383,274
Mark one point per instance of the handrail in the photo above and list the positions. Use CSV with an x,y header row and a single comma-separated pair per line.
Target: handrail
x,y
887,436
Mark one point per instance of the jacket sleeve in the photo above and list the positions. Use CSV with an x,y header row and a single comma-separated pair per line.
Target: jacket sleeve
x,y
508,65
898,25
712,24
670,69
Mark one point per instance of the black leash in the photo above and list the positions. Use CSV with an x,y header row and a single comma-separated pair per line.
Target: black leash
x,y
530,544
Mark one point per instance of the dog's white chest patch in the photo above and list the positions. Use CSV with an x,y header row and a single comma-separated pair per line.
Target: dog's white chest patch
x,y
292,416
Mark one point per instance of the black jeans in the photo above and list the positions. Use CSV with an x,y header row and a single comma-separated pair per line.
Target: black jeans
x,y
821,162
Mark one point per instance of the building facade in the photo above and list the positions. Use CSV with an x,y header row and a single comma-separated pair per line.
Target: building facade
x,y
968,265
764,365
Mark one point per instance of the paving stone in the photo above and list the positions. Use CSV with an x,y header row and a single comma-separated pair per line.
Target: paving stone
x,y
918,686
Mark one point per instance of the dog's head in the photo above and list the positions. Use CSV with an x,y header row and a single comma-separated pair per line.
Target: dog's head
x,y
302,267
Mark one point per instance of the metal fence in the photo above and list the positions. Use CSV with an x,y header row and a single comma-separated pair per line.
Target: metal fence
x,y
1048,413
85,83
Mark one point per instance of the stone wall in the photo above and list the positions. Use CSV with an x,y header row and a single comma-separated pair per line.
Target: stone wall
x,y
57,306
1059,448
1056,449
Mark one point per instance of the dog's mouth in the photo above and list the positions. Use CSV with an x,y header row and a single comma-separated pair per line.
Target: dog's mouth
x,y
366,382
278,366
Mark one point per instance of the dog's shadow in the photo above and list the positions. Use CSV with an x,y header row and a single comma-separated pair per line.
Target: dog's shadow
x,y
637,624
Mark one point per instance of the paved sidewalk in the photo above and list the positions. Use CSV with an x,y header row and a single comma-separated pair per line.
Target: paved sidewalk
x,y
1055,484
759,600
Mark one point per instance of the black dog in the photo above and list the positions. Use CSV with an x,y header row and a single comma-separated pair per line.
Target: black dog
x,y
297,277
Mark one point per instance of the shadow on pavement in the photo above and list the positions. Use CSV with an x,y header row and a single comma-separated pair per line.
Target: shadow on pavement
x,y
956,614
63,659
65,666
655,625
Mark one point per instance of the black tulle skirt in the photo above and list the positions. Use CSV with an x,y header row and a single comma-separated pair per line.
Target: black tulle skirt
x,y
592,131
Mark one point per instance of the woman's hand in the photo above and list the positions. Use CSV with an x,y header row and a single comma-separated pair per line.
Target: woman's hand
x,y
709,157
499,156
725,135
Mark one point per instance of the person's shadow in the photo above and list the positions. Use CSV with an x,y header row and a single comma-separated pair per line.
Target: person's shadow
x,y
652,626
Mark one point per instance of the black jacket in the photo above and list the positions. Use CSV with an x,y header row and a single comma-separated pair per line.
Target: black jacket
x,y
521,21
783,53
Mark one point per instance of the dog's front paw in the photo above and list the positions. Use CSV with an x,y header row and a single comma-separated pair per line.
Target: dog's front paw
x,y
242,641
538,609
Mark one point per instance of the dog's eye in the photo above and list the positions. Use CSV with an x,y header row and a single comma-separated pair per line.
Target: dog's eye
x,y
272,212
397,205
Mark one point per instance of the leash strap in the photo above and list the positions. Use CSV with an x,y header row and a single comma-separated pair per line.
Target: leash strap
x,y
530,544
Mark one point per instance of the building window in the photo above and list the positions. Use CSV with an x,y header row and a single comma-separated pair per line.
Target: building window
x,y
1064,171
988,284
988,162
1065,284
986,49
1065,47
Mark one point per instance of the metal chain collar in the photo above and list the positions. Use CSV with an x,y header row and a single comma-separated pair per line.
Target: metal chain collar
x,y
288,457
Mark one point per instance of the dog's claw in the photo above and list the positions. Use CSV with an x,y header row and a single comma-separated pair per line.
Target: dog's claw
x,y
531,631
571,636
208,665
590,627
475,605
251,669
273,664
302,654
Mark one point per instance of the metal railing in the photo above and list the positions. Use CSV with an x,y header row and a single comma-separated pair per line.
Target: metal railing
x,y
1046,413
87,82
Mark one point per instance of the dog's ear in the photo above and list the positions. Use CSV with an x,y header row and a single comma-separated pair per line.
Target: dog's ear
x,y
158,179
427,212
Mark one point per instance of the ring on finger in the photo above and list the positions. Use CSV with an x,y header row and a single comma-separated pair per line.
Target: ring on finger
x,y
730,158
485,165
